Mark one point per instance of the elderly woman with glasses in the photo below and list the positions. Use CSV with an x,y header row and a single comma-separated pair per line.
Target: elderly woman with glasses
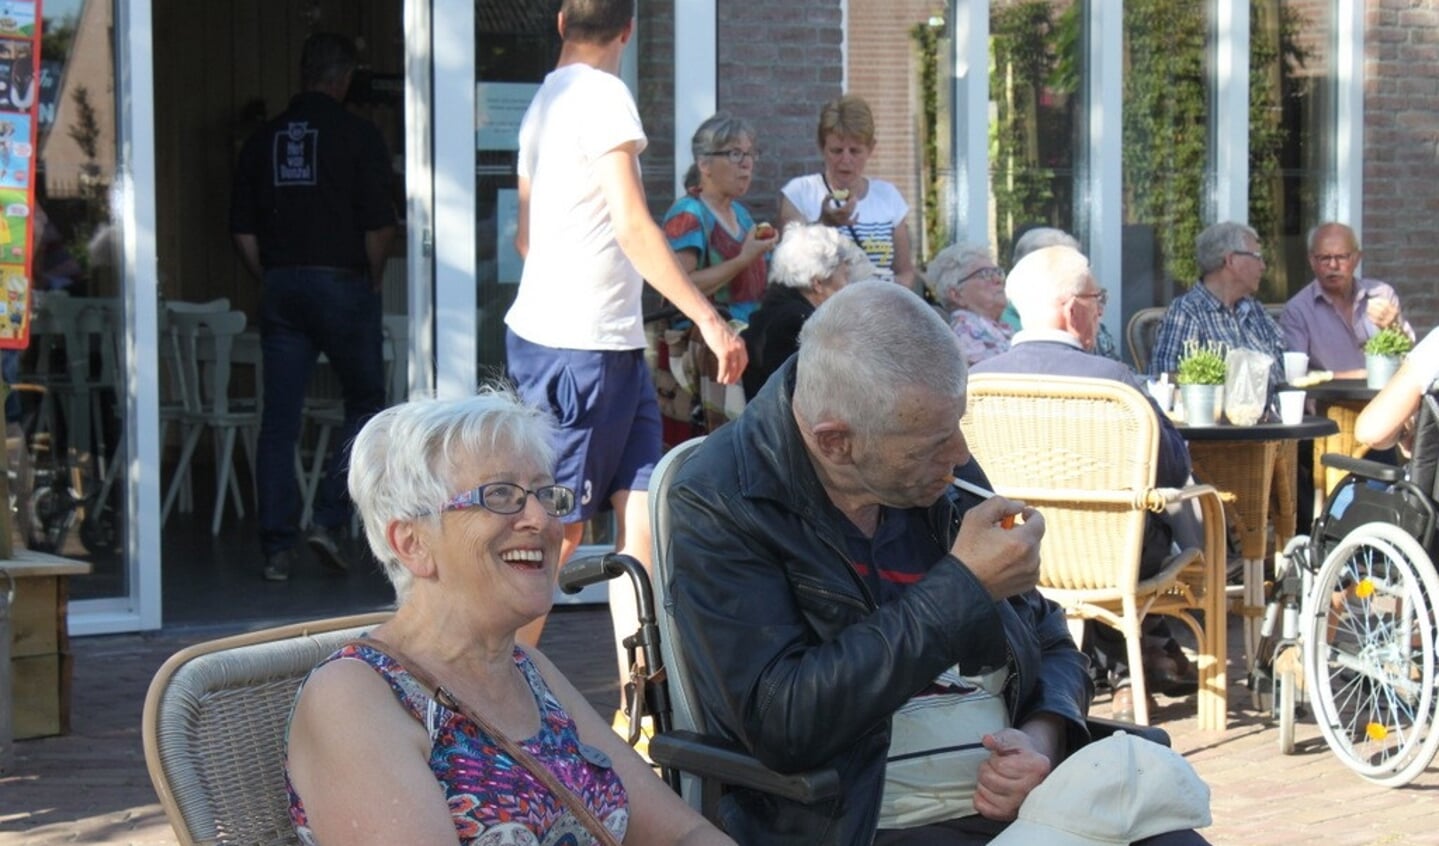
x,y
967,283
715,237
405,735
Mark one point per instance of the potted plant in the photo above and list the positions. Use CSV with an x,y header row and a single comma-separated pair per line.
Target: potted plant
x,y
1201,379
1382,354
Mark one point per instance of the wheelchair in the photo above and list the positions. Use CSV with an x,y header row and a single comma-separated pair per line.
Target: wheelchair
x,y
699,765
1351,623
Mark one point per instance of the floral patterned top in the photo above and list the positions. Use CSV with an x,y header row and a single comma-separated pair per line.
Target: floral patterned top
x,y
979,337
494,800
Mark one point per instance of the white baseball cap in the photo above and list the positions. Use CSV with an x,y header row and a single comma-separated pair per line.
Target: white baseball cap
x,y
1113,791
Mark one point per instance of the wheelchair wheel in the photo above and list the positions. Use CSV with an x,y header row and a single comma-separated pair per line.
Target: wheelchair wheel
x,y
1370,653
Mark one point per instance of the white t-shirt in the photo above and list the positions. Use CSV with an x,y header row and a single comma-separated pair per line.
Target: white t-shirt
x,y
1423,360
578,290
935,749
873,223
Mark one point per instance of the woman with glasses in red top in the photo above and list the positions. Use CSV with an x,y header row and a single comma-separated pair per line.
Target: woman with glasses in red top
x,y
965,280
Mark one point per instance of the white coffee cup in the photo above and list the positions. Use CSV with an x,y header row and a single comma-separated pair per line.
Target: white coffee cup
x,y
1163,394
1296,364
1291,406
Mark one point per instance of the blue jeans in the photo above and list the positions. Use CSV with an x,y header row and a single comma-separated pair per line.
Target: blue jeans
x,y
306,311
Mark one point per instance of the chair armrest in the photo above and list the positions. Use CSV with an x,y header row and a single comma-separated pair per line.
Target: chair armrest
x,y
1100,728
1362,467
719,760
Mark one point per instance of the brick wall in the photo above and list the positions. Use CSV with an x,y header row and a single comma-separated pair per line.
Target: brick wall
x,y
882,70
777,64
656,101
1401,152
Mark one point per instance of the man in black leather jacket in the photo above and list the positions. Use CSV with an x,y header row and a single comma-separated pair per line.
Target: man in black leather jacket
x,y
800,650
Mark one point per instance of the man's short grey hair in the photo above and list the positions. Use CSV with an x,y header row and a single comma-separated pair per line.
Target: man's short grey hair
x,y
861,350
806,252
947,269
1219,240
1043,281
403,462
1313,235
1040,237
718,132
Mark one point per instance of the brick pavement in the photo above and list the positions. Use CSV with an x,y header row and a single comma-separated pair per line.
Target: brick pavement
x,y
91,786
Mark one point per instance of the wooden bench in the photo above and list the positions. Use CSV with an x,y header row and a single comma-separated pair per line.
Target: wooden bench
x,y
40,662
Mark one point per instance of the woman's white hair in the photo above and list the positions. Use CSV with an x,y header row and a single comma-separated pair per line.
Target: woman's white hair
x,y
1038,238
807,252
403,462
1043,280
947,269
861,350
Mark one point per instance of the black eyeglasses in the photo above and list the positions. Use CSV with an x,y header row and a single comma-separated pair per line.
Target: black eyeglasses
x,y
1250,253
510,498
736,156
1101,296
1333,258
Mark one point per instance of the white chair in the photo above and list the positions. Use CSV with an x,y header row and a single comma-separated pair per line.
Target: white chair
x,y
82,331
396,329
214,729
174,397
203,345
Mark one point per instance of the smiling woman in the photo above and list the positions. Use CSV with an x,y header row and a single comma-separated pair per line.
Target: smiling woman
x,y
461,509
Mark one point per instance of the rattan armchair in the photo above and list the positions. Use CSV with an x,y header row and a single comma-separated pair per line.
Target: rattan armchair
x,y
1083,452
214,729
1141,333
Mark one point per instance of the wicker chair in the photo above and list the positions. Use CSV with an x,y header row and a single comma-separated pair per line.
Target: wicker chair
x,y
1083,452
1140,334
214,729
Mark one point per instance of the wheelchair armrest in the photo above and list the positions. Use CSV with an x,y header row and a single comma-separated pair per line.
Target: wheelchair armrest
x,y
713,758
1363,467
1100,728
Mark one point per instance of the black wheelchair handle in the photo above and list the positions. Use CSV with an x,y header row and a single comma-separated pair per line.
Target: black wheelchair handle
x,y
580,573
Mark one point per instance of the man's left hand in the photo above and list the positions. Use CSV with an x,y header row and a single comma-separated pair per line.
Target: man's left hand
x,y
1013,769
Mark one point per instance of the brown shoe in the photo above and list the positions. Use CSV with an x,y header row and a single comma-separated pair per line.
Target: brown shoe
x,y
1121,706
1170,672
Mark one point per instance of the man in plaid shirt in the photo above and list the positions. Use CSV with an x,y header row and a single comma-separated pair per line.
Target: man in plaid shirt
x,y
1222,306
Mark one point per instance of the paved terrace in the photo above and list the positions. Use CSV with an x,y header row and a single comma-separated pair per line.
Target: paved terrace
x,y
91,786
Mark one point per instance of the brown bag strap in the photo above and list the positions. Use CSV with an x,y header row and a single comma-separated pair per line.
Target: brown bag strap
x,y
521,756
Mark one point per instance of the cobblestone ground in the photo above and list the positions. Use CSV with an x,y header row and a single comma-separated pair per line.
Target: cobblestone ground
x,y
91,786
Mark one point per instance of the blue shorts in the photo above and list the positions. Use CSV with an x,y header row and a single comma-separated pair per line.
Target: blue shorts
x,y
609,419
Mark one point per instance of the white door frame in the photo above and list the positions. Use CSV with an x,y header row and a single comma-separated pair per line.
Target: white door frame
x,y
133,204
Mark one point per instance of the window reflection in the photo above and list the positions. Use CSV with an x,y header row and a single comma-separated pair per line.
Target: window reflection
x,y
1289,135
1033,86
69,500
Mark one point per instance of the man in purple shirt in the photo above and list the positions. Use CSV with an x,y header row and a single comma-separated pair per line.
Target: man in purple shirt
x,y
1332,316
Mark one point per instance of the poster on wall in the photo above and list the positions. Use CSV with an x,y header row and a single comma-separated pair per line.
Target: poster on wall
x,y
19,87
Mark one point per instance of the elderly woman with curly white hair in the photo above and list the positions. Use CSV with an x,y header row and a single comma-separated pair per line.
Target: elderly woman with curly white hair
x,y
811,262
967,283
437,727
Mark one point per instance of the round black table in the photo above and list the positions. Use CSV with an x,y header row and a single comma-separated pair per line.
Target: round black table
x,y
1248,462
1341,390
1310,427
